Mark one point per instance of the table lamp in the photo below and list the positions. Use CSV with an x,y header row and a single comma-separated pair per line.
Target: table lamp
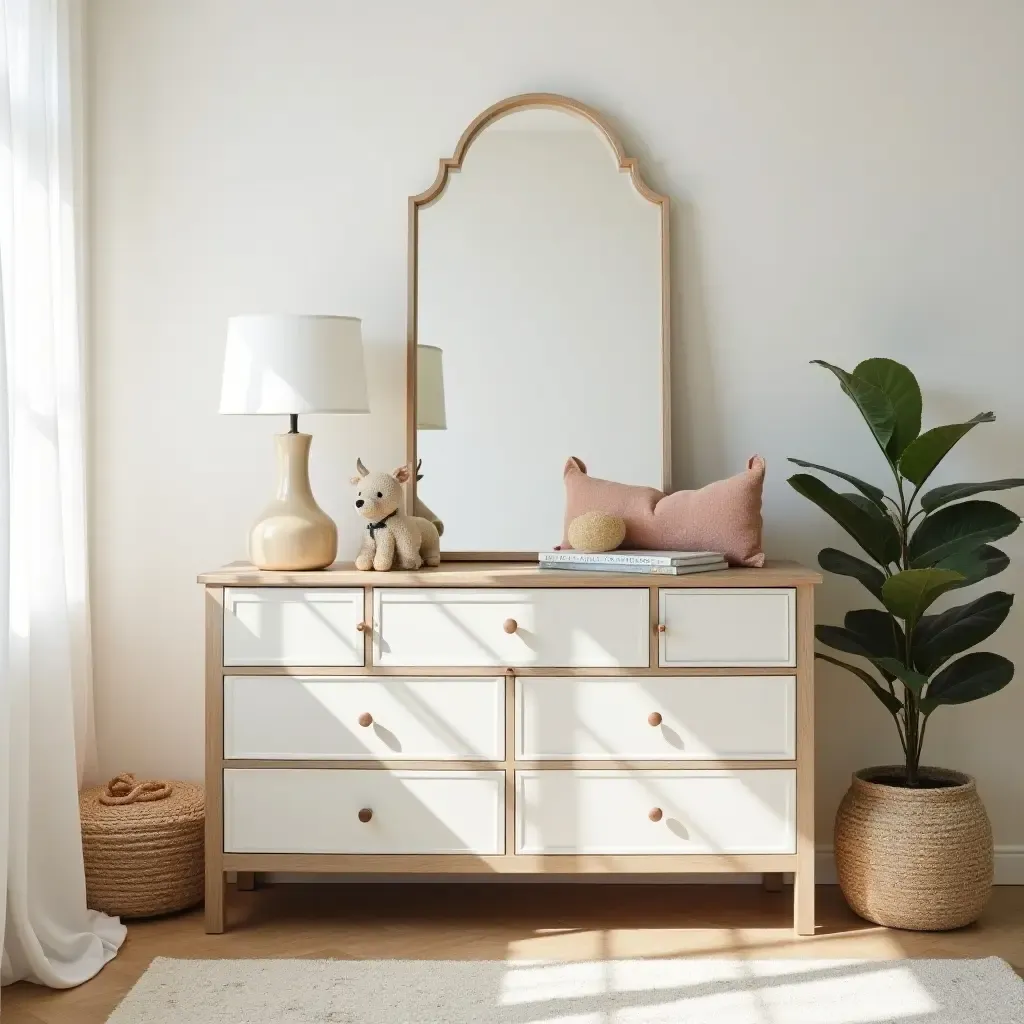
x,y
287,365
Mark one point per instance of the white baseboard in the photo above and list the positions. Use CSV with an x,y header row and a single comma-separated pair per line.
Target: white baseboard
x,y
1009,870
1009,866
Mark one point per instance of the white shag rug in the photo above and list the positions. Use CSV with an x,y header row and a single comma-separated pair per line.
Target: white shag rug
x,y
598,992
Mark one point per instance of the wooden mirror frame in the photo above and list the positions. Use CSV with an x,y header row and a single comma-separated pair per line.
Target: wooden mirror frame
x,y
449,165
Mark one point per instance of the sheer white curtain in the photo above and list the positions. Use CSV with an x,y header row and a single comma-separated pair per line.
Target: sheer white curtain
x,y
49,936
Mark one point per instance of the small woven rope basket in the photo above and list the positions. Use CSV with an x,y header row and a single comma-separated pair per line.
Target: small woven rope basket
x,y
914,858
143,846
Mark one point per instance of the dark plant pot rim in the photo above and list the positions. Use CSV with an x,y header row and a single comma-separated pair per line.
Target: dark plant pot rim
x,y
889,779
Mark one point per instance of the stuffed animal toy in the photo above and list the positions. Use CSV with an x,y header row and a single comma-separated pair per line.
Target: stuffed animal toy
x,y
392,538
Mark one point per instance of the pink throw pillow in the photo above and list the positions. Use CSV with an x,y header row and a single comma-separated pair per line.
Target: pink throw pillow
x,y
725,516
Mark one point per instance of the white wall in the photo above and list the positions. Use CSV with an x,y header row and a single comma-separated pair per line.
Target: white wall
x,y
847,181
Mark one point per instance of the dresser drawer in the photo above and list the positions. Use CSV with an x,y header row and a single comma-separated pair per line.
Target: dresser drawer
x,y
307,717
585,628
609,812
302,810
656,718
291,626
727,627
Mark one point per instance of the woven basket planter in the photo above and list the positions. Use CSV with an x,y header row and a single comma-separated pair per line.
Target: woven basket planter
x,y
143,846
914,858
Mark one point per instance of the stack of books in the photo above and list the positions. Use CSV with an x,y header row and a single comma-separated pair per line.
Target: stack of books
x,y
650,563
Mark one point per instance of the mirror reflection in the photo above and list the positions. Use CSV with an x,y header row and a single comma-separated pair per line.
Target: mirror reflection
x,y
539,331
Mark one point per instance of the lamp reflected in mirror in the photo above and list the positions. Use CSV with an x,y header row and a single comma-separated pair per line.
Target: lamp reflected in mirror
x,y
430,413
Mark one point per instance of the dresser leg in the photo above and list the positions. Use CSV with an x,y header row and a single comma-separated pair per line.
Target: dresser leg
x,y
803,901
216,882
245,881
803,880
216,886
772,881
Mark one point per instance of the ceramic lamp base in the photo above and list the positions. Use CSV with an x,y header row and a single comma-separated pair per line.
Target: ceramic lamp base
x,y
293,533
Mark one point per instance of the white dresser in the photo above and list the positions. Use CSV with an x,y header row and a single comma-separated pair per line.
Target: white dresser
x,y
494,717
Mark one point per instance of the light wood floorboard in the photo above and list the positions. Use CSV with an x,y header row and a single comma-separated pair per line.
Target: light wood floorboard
x,y
513,921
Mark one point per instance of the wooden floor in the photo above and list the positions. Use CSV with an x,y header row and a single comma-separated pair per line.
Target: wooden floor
x,y
513,921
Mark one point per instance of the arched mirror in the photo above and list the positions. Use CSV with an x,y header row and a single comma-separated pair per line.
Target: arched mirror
x,y
538,325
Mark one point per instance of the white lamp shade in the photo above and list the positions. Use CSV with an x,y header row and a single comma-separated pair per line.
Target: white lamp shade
x,y
429,389
293,364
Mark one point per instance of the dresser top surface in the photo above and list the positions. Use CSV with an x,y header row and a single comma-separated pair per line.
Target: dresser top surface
x,y
504,574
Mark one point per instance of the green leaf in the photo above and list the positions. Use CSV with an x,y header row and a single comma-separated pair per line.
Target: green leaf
x,y
922,455
878,631
976,565
870,491
906,675
909,593
842,564
901,388
872,402
892,704
954,492
879,513
878,539
885,523
840,639
959,528
875,635
970,678
938,637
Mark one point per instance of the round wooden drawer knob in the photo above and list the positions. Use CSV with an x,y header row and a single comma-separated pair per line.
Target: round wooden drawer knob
x,y
661,628
366,719
510,625
366,814
654,719
363,627
655,814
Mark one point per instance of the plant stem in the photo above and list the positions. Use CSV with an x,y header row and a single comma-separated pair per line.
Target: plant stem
x,y
912,739
904,523
920,742
911,712
899,732
892,690
913,497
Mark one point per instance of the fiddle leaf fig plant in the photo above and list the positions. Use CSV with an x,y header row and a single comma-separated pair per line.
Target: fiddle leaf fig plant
x,y
914,556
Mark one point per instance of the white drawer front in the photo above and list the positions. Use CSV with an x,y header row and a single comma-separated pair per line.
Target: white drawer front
x,y
290,626
299,810
656,718
607,812
319,717
586,628
729,628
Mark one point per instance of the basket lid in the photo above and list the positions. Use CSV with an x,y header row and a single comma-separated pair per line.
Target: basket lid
x,y
126,802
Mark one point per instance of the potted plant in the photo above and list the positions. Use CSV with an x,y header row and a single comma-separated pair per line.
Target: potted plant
x,y
913,844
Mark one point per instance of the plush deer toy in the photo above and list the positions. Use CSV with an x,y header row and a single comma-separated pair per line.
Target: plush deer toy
x,y
392,538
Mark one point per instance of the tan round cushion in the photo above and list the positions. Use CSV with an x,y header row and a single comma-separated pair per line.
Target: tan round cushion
x,y
596,531
143,846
